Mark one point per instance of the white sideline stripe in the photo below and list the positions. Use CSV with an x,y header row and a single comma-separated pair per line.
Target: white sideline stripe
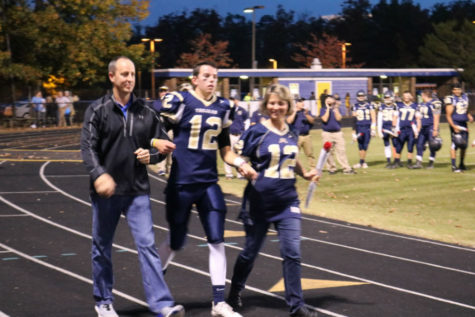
x,y
303,264
383,233
69,273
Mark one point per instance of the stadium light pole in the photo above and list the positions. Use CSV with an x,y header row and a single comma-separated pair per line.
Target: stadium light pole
x,y
274,63
152,51
343,54
253,45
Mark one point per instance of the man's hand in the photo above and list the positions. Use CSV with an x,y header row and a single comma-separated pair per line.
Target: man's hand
x,y
247,171
164,146
105,185
143,155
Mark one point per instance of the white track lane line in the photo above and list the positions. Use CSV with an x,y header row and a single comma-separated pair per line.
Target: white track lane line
x,y
186,267
69,273
280,259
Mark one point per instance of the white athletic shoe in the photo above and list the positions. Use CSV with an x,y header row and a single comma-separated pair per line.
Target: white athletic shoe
x,y
364,165
222,309
358,165
105,310
175,311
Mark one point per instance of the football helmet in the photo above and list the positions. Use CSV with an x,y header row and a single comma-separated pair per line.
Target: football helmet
x,y
360,95
459,140
435,144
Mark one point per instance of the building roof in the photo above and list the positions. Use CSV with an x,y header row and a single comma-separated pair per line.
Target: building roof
x,y
327,73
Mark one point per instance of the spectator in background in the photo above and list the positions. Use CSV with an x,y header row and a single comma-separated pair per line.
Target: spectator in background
x,y
240,118
63,102
257,117
312,96
322,97
40,109
331,132
301,122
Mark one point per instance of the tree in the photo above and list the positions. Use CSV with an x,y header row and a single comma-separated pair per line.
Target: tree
x,y
203,49
327,49
70,39
451,45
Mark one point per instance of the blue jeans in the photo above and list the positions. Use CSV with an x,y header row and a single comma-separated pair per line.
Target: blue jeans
x,y
289,236
105,217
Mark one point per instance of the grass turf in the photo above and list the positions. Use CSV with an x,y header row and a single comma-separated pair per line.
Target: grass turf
x,y
435,204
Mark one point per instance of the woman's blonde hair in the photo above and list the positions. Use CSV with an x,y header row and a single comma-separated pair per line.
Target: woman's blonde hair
x,y
280,91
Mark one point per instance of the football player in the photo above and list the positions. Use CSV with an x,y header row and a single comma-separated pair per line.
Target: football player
x,y
200,122
385,121
273,150
404,125
456,111
365,125
240,120
428,118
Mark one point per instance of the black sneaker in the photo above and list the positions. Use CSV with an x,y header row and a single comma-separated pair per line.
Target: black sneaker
x,y
234,299
431,165
455,169
304,312
388,165
462,167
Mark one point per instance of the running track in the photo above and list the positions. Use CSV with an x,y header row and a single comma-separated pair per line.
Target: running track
x,y
347,270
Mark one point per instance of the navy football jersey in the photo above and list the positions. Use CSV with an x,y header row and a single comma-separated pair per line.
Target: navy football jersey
x,y
196,124
427,110
385,114
460,104
273,155
362,112
406,114
239,117
257,117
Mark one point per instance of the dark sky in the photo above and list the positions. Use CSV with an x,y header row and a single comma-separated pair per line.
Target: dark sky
x,y
310,7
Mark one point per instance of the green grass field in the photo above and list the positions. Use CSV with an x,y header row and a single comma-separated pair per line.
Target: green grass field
x,y
435,204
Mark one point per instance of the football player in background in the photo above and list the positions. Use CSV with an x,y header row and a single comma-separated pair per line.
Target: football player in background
x,y
428,118
200,122
273,150
365,125
239,125
456,111
404,125
385,122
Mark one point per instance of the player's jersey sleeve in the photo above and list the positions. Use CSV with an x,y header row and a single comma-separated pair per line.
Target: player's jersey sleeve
x,y
172,106
436,107
448,100
249,141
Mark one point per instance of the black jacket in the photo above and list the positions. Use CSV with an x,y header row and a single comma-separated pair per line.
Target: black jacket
x,y
108,142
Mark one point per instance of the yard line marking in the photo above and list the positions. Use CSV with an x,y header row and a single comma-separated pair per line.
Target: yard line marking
x,y
8,216
69,273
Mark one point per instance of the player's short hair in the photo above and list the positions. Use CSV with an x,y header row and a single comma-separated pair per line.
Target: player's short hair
x,y
282,92
197,67
113,63
427,92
